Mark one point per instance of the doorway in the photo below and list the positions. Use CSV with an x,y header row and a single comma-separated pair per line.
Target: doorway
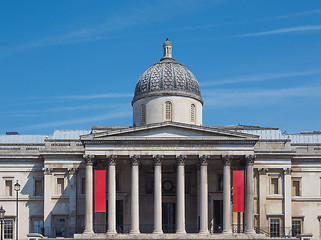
x,y
217,216
168,216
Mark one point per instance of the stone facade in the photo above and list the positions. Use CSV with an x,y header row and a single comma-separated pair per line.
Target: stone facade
x,y
163,177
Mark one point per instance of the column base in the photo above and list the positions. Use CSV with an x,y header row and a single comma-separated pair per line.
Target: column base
x,y
157,232
180,232
227,231
111,232
88,231
204,232
134,232
250,231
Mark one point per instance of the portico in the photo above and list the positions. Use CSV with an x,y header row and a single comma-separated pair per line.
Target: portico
x,y
153,161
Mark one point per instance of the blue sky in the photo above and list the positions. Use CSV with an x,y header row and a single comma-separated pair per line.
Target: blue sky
x,y
75,64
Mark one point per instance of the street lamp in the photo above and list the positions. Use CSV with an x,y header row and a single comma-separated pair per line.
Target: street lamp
x,y
17,189
2,212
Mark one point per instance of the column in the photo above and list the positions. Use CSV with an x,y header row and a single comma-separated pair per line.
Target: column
x,y
135,195
72,173
227,194
112,195
158,194
262,198
89,224
47,205
287,201
203,195
249,202
180,195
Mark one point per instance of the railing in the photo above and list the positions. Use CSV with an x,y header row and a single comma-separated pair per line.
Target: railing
x,y
238,228
280,232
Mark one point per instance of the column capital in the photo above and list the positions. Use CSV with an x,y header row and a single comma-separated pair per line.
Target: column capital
x,y
287,171
135,160
72,171
47,170
158,160
181,159
249,159
112,160
227,159
204,159
90,159
263,171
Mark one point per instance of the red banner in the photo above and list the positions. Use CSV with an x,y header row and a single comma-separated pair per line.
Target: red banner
x,y
100,190
238,191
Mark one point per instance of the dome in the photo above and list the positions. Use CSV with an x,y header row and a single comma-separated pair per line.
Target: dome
x,y
167,77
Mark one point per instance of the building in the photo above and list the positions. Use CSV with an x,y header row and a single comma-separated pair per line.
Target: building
x,y
165,174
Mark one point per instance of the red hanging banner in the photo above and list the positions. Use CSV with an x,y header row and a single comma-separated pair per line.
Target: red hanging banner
x,y
100,190
238,191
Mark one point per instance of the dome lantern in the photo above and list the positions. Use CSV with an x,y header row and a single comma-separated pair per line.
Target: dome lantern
x,y
167,46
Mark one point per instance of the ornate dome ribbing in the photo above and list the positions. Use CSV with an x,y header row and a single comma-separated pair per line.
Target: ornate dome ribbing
x,y
167,77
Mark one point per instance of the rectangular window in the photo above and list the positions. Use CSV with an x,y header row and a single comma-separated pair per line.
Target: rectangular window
x,y
38,188
274,186
8,229
8,184
60,227
83,186
296,188
60,185
296,227
274,227
37,226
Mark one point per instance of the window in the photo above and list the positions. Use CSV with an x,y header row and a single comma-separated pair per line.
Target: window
x,y
83,186
168,111
60,185
274,186
8,229
143,107
296,227
274,227
37,225
296,187
60,227
192,113
38,188
8,184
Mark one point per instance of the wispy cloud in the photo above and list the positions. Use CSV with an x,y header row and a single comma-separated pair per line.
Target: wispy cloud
x,y
40,112
246,97
205,26
95,96
92,120
37,100
260,77
297,29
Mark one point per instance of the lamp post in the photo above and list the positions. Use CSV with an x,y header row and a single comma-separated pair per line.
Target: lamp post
x,y
17,189
2,212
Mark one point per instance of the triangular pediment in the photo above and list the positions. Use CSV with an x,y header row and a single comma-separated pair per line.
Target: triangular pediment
x,y
170,130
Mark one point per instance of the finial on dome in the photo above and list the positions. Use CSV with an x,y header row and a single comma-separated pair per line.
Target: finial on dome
x,y
167,46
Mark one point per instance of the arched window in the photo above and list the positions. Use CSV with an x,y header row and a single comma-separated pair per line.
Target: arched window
x,y
168,111
192,113
143,108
